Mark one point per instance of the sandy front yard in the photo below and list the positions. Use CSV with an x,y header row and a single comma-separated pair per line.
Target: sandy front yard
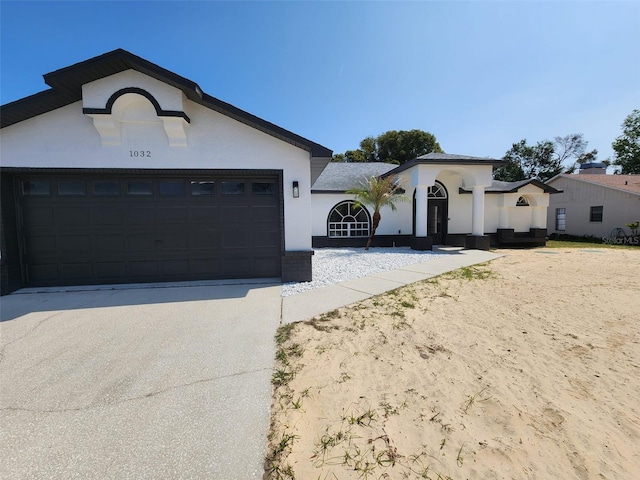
x,y
524,368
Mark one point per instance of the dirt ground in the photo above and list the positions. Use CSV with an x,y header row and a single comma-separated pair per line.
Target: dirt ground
x,y
524,368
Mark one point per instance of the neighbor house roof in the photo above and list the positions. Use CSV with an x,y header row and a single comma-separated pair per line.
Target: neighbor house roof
x,y
66,88
339,177
498,186
626,183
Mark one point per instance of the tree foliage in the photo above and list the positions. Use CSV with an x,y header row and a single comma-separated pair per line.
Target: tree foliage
x,y
394,146
627,145
546,159
377,192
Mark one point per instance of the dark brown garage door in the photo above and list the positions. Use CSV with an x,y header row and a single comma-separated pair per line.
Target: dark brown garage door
x,y
100,229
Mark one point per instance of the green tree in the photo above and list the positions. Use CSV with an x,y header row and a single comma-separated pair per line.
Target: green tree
x,y
377,192
627,145
545,159
530,161
394,146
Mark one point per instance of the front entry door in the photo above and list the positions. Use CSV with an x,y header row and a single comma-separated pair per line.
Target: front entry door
x,y
437,220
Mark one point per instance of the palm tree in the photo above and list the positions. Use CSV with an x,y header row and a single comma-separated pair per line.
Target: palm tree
x,y
377,192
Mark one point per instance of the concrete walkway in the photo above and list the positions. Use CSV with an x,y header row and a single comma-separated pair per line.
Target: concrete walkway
x,y
308,304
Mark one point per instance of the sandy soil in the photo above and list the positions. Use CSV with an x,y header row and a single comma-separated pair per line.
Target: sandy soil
x,y
524,368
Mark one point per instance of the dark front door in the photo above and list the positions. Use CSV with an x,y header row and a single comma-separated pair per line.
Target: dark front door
x,y
100,228
437,220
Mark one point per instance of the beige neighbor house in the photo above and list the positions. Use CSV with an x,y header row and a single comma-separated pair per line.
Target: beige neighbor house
x,y
595,204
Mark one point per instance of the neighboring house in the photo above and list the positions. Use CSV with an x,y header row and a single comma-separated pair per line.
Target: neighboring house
x,y
126,172
593,204
451,199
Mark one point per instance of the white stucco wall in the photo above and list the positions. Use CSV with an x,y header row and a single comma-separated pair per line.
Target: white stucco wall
x,y
390,224
67,138
619,208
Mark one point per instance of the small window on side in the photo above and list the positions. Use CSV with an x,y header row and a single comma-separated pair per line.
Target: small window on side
x,y
36,188
561,218
596,213
522,202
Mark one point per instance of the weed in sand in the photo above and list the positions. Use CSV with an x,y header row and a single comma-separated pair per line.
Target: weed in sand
x,y
470,402
282,377
284,333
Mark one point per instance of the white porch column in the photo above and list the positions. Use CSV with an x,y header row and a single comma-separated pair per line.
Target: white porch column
x,y
421,210
477,219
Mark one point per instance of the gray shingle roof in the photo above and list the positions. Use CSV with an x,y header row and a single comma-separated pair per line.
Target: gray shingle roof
x,y
339,176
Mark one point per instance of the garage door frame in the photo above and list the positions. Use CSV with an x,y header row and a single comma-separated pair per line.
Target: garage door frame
x,y
16,249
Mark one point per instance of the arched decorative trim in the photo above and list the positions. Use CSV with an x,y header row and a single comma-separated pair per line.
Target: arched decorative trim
x,y
522,202
139,91
348,219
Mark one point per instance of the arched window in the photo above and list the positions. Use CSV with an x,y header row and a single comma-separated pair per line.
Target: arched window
x,y
347,219
522,202
437,191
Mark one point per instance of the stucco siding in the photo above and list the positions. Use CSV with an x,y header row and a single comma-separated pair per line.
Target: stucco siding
x,y
578,197
67,138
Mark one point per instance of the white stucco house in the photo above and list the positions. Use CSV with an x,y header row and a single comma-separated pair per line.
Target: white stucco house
x,y
592,203
123,171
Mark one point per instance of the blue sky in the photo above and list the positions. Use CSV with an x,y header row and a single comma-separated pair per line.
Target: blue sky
x,y
478,75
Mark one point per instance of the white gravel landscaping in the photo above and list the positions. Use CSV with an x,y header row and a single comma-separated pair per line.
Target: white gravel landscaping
x,y
334,265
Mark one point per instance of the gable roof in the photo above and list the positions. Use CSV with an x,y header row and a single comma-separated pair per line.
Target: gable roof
x,y
338,177
625,183
445,158
66,88
498,186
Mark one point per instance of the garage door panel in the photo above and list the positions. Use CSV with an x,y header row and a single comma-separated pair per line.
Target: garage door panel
x,y
265,239
142,242
234,214
236,265
77,271
42,272
147,268
208,215
79,244
178,268
267,214
126,229
173,241
42,245
106,215
40,216
111,270
208,239
202,267
72,216
141,215
106,244
234,238
173,215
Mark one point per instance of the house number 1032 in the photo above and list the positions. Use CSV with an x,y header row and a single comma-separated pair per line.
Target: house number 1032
x,y
140,153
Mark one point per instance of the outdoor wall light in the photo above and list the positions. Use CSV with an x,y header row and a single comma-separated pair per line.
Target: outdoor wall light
x,y
296,190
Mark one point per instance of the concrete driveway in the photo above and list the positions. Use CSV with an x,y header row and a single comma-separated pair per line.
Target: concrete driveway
x,y
137,383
